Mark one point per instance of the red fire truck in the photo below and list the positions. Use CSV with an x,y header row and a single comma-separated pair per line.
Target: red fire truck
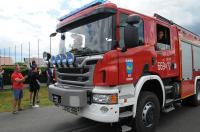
x,y
115,64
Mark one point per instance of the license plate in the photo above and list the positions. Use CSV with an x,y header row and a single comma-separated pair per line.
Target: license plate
x,y
56,99
73,110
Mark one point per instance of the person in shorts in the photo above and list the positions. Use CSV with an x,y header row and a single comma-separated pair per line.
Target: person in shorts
x,y
17,86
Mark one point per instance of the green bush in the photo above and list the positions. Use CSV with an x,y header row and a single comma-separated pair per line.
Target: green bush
x,y
8,70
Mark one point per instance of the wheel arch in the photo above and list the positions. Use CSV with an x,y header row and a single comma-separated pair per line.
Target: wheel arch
x,y
152,80
197,78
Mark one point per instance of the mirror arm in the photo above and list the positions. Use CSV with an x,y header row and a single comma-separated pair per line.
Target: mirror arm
x,y
115,44
124,49
119,26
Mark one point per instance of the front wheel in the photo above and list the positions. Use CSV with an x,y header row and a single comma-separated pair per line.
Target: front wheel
x,y
148,112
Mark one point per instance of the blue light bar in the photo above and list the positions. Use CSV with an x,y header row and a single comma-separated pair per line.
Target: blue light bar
x,y
64,58
53,60
93,3
58,59
70,58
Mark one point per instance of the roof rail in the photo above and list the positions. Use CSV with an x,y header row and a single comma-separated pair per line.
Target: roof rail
x,y
163,19
172,23
186,30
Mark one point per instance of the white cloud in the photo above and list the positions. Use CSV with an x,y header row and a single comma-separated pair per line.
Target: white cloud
x,y
184,12
22,21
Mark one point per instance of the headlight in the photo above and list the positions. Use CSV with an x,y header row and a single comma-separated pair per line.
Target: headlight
x,y
53,60
105,99
58,59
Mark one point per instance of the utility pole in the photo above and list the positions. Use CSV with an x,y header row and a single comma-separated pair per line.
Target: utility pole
x,y
29,54
38,50
4,55
15,54
0,57
21,52
9,54
50,45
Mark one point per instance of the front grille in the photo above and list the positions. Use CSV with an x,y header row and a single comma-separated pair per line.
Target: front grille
x,y
73,70
74,78
80,76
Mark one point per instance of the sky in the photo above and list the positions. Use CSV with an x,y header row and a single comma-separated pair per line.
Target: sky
x,y
30,21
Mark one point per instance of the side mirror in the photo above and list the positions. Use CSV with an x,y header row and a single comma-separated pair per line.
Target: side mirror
x,y
46,56
63,37
133,19
131,36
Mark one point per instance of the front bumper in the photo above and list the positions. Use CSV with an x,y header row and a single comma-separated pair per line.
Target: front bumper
x,y
78,97
94,112
69,96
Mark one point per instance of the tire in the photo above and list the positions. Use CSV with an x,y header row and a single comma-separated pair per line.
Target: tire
x,y
148,104
195,99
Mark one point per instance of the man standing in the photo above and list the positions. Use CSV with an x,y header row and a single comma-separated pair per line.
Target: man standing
x,y
17,85
1,77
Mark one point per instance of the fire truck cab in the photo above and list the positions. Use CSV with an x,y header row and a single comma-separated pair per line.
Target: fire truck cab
x,y
115,64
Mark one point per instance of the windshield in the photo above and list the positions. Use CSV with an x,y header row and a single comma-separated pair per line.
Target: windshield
x,y
92,38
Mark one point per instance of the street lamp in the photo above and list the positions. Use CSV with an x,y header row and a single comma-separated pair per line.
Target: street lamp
x,y
50,36
0,57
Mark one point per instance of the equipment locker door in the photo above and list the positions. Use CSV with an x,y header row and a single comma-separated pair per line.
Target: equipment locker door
x,y
187,70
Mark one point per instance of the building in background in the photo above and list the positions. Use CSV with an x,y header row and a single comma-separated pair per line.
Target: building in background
x,y
6,61
40,62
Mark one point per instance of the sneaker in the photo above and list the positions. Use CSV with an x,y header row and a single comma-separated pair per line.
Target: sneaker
x,y
20,109
14,112
35,106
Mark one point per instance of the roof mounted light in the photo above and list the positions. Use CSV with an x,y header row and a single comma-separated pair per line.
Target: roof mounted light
x,y
70,58
58,59
93,3
64,59
53,60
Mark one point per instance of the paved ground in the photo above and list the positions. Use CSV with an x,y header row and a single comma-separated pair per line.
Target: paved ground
x,y
53,119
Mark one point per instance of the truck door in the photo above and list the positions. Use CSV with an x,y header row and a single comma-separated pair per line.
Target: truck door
x,y
130,61
165,50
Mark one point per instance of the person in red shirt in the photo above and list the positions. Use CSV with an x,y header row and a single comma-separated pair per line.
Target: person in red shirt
x,y
17,85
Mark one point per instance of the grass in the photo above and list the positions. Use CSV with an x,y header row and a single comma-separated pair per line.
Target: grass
x,y
6,99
